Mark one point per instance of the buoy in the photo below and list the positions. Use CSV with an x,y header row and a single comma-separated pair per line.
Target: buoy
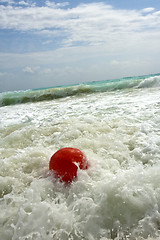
x,y
65,163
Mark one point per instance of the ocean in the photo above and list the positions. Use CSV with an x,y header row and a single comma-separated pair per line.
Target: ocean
x,y
116,124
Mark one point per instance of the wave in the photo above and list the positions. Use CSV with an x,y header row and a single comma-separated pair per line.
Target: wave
x,y
150,82
35,95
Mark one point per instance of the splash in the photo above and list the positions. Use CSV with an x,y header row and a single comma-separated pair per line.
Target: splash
x,y
12,98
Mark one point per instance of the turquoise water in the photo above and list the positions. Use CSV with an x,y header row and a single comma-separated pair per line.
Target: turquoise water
x,y
36,95
117,125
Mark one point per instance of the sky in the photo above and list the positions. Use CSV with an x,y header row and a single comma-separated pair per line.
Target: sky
x,y
55,43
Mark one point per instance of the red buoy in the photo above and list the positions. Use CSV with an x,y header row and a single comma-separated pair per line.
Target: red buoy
x,y
66,161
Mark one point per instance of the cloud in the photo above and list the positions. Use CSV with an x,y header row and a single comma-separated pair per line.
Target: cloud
x,y
114,62
7,1
37,70
46,71
147,10
90,24
95,42
23,3
30,70
56,5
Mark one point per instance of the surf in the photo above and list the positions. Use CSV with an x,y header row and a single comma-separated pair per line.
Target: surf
x,y
117,197
47,94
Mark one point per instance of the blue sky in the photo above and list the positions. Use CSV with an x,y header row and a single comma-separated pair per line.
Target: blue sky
x,y
51,43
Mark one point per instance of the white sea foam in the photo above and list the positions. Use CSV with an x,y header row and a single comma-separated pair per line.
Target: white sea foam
x,y
150,82
117,197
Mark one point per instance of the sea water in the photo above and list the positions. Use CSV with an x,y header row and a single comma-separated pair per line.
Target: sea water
x,y
117,125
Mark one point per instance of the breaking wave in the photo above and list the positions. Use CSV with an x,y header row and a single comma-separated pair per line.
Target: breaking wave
x,y
36,95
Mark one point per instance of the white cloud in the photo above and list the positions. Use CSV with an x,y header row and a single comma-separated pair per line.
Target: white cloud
x,y
23,3
97,42
28,70
37,70
157,13
56,5
147,10
91,24
7,1
46,71
31,70
47,42
114,62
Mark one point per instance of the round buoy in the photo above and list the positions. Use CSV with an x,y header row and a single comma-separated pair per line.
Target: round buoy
x,y
66,161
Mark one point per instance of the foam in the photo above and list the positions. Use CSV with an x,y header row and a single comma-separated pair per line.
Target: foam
x,y
117,197
151,82
38,95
